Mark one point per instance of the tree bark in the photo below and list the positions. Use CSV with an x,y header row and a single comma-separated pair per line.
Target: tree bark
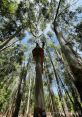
x,y
28,102
18,100
54,108
55,111
74,62
58,85
19,93
39,109
76,104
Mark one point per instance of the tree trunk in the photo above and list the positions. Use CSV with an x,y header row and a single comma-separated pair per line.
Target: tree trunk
x,y
58,85
66,108
54,108
39,95
28,103
74,62
18,101
55,111
76,104
19,93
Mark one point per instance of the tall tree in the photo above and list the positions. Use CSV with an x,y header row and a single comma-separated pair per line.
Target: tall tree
x,y
39,109
74,62
19,93
54,106
29,95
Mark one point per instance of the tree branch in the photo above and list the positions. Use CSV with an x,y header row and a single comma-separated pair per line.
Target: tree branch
x,y
8,46
8,40
67,8
57,11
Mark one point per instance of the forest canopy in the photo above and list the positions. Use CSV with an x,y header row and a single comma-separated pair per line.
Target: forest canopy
x,y
40,58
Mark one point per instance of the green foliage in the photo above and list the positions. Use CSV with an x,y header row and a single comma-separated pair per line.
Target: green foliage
x,y
4,95
8,7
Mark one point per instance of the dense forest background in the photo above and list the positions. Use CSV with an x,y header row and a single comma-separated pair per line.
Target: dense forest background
x,y
57,24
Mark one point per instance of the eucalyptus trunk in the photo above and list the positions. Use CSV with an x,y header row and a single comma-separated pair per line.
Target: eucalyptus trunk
x,y
11,102
28,102
54,108
55,111
50,106
73,61
18,101
76,104
39,109
19,93
9,111
58,85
